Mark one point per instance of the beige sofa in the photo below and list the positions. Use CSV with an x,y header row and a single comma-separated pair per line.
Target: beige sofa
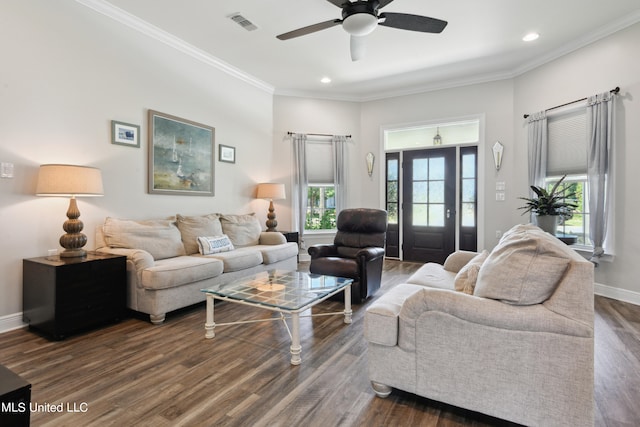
x,y
167,268
514,341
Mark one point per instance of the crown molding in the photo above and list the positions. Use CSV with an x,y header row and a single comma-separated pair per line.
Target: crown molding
x,y
107,9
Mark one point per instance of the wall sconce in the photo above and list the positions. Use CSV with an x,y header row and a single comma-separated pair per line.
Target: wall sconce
x,y
497,154
371,158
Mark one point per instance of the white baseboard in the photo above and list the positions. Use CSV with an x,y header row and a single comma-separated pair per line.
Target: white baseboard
x,y
11,322
617,293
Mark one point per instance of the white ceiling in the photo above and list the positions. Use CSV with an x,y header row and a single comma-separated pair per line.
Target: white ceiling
x,y
482,42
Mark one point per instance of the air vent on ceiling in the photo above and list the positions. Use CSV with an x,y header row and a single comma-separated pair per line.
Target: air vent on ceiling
x,y
243,22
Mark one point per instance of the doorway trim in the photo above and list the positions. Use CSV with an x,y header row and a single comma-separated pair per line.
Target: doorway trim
x,y
482,169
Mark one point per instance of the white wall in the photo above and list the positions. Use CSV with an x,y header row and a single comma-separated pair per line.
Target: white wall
x,y
599,67
66,72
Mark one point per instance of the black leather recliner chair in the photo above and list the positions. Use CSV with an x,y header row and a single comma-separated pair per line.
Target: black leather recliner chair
x,y
357,251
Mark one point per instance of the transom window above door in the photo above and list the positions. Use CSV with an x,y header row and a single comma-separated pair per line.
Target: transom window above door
x,y
429,135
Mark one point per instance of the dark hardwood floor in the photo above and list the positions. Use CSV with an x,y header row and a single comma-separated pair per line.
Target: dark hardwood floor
x,y
134,373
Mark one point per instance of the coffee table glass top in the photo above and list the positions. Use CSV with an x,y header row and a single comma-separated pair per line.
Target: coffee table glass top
x,y
287,290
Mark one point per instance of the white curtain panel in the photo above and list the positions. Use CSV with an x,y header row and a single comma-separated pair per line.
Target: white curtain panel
x,y
537,140
339,173
600,119
299,183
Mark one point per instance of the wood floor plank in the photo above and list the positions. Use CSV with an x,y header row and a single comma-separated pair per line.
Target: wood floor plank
x,y
134,373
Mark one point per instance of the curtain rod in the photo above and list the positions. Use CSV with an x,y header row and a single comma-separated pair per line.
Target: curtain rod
x,y
317,134
616,90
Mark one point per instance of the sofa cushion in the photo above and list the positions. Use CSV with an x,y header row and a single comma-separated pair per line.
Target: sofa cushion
x,y
191,227
160,237
243,230
177,271
433,275
524,268
466,278
214,244
238,259
275,253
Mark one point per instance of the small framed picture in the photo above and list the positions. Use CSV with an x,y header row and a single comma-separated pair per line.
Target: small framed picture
x,y
226,153
125,134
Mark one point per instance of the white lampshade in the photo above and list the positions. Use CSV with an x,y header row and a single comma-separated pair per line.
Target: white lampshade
x,y
69,180
271,191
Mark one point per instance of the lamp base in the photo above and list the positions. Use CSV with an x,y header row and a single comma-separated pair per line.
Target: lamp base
x,y
74,240
73,253
271,218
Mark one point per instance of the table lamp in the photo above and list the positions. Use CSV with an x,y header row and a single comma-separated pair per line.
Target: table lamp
x,y
70,181
272,192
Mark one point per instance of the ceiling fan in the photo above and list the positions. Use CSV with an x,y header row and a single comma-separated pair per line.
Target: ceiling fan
x,y
360,18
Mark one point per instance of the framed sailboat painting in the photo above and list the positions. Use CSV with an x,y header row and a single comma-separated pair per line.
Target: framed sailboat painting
x,y
181,156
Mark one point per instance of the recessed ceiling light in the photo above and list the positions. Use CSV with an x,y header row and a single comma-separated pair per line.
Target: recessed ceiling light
x,y
325,80
530,37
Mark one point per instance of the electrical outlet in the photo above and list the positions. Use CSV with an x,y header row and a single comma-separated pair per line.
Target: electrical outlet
x,y
498,234
500,197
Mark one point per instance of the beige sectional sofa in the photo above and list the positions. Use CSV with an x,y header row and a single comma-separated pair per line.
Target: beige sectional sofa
x,y
507,333
167,268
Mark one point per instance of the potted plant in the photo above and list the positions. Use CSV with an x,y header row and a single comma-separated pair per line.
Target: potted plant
x,y
549,205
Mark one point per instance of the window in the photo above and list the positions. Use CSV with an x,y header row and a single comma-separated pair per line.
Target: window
x,y
393,159
567,155
321,207
578,224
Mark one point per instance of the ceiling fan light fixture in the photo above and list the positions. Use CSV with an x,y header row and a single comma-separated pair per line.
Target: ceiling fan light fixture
x,y
360,24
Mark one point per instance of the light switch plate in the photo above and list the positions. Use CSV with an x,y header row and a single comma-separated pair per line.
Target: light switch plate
x,y
6,170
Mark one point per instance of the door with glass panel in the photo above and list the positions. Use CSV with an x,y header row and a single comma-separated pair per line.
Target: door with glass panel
x,y
392,188
429,201
468,199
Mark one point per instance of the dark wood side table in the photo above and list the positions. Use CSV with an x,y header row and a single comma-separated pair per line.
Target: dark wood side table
x,y
292,236
15,399
567,239
62,296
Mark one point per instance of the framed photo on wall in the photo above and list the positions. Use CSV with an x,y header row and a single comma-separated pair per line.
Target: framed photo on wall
x,y
125,134
226,153
180,156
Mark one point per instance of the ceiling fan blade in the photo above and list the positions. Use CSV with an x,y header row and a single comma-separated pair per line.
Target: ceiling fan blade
x,y
340,3
358,47
383,3
405,21
310,29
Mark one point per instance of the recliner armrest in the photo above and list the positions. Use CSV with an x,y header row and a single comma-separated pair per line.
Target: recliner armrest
x,y
370,253
323,250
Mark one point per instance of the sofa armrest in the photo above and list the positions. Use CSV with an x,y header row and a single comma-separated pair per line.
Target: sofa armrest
x,y
321,251
370,253
457,260
141,259
488,312
272,238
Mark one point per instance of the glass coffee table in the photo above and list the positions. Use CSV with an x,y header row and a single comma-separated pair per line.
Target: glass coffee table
x,y
286,292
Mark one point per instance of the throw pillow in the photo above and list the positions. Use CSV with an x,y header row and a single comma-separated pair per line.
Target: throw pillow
x,y
243,230
160,237
465,280
214,245
193,226
524,268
